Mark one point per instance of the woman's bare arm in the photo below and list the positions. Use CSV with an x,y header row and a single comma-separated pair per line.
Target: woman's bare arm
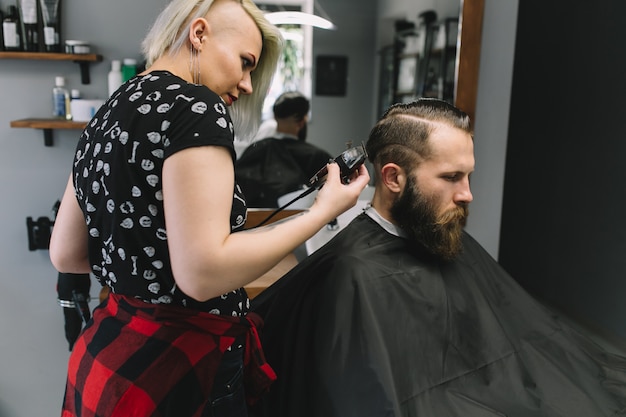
x,y
68,244
207,259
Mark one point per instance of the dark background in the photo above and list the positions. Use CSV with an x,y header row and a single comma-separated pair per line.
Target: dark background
x,y
563,234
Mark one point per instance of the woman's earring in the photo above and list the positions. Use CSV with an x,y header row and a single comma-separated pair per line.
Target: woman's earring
x,y
194,64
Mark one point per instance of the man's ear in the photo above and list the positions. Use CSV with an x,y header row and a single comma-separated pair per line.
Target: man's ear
x,y
393,177
198,32
301,123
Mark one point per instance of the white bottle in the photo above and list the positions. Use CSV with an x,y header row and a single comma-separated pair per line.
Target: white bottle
x,y
115,76
11,29
74,95
60,99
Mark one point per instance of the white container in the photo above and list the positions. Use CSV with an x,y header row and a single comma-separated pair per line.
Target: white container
x,y
77,47
115,76
83,110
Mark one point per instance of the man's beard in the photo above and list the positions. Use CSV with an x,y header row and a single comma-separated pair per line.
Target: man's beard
x,y
416,214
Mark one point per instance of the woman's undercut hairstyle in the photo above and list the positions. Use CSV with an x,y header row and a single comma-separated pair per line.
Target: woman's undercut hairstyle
x,y
401,134
170,33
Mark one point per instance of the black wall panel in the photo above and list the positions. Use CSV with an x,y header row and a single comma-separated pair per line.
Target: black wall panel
x,y
563,234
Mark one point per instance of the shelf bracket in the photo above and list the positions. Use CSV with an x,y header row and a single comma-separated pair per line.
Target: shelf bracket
x,y
84,71
47,137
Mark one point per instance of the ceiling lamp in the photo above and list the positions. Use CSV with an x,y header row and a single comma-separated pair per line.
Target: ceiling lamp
x,y
299,18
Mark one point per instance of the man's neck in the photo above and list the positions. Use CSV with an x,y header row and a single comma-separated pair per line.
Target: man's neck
x,y
284,135
383,208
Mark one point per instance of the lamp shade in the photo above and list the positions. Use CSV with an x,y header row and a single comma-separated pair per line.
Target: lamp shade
x,y
299,18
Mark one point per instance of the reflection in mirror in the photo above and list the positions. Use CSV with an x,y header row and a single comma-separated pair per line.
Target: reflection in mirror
x,y
433,55
425,57
290,75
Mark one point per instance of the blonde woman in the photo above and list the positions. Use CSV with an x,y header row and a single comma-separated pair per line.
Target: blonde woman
x,y
151,208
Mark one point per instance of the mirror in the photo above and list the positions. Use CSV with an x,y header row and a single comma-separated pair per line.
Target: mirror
x,y
434,56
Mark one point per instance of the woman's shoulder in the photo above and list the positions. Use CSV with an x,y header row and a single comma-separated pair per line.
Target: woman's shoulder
x,y
170,84
180,98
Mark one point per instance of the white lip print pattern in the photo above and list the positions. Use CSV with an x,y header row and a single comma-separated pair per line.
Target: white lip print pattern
x,y
120,165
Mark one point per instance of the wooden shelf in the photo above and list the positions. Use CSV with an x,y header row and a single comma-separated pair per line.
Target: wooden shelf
x,y
48,125
42,123
51,56
83,60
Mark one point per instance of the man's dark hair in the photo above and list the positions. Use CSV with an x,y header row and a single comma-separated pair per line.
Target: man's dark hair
x,y
401,134
291,103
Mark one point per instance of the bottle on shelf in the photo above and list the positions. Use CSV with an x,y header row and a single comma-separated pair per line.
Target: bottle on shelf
x,y
115,76
11,30
74,95
28,16
129,69
51,25
61,99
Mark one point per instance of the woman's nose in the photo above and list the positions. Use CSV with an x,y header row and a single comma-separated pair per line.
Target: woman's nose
x,y
245,85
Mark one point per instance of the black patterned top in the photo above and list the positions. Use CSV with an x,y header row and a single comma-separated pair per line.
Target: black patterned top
x,y
117,177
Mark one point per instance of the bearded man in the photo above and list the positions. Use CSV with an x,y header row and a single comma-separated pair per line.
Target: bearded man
x,y
404,314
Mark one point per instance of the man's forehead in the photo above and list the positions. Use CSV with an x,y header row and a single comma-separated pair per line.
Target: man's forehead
x,y
446,137
453,148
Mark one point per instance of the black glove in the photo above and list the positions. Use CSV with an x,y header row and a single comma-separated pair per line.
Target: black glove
x,y
73,296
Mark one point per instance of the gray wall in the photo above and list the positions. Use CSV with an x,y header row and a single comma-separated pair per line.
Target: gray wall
x,y
33,351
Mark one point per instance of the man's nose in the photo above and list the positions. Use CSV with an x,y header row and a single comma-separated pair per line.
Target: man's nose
x,y
464,193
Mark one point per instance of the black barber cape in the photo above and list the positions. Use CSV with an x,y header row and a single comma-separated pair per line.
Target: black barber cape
x,y
272,167
368,326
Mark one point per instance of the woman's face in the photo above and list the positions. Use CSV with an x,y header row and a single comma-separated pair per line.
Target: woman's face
x,y
231,46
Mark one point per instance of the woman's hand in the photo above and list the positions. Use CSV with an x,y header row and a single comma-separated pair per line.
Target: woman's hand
x,y
336,197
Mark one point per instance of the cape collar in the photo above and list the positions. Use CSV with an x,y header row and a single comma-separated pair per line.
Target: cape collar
x,y
384,223
281,135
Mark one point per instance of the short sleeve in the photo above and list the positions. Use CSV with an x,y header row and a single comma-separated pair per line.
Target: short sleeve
x,y
197,119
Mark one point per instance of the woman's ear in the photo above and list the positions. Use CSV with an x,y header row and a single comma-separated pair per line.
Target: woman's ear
x,y
198,31
393,177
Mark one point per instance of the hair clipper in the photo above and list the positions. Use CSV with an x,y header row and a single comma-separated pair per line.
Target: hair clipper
x,y
349,161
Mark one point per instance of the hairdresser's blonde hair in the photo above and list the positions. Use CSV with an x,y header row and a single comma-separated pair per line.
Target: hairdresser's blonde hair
x,y
170,32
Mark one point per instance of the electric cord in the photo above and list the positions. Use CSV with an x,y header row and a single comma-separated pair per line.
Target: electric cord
x,y
284,206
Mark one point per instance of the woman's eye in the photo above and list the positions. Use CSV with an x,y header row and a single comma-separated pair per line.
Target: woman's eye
x,y
246,62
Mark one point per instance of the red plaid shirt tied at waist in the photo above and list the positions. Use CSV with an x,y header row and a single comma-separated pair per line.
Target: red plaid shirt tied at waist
x,y
137,358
